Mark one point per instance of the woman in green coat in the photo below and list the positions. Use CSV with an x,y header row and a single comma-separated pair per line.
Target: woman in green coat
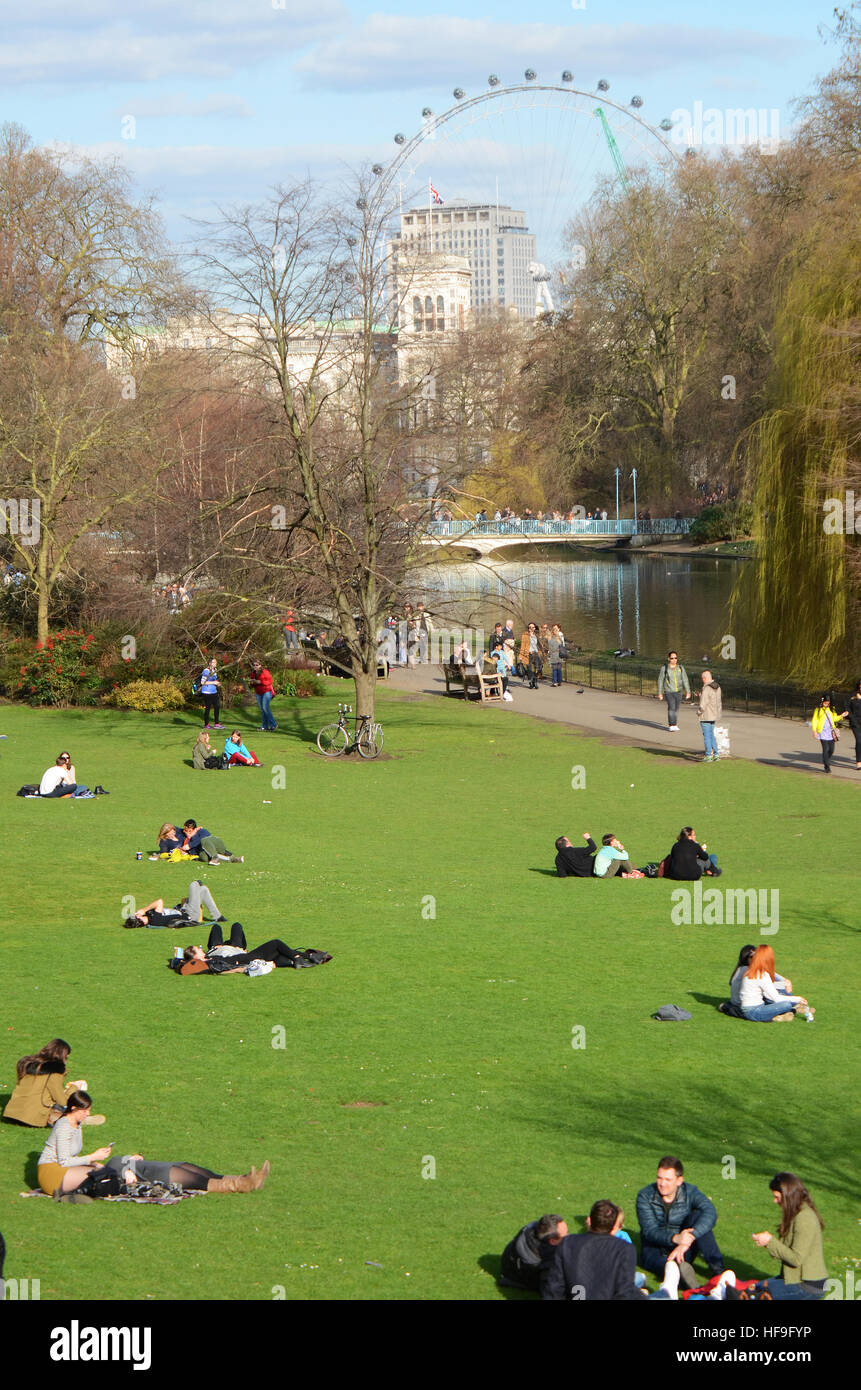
x,y
798,1243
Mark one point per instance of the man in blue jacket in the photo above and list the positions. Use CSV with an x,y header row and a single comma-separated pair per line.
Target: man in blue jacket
x,y
676,1223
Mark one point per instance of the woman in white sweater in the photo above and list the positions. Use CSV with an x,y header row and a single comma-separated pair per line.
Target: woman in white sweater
x,y
760,999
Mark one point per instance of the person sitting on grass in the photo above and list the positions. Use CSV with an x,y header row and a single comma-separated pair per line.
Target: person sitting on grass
x,y
62,1167
40,1095
687,861
594,1266
199,841
612,859
733,1005
234,958
527,1257
204,755
798,1243
188,912
572,861
237,754
60,779
760,1000
676,1222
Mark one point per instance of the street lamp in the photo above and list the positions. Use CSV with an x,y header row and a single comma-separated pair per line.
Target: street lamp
x,y
634,476
618,472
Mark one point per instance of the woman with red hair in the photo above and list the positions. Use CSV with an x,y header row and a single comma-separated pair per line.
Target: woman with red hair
x,y
760,999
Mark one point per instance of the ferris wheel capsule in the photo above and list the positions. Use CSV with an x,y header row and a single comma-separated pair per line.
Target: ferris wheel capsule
x,y
426,111
666,123
376,169
636,102
493,80
458,94
400,139
567,76
603,85
530,74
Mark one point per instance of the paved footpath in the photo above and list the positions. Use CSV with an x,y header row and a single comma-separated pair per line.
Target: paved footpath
x,y
635,721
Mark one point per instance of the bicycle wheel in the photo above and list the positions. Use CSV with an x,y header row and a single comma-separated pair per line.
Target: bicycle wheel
x,y
332,740
370,741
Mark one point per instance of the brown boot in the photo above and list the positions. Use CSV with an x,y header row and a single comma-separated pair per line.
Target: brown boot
x,y
231,1183
259,1178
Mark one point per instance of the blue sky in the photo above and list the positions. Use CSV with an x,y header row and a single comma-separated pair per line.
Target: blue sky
x,y
231,96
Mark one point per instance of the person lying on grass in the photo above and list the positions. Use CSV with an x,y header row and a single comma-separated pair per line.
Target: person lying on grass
x,y
760,999
195,841
189,911
234,958
688,860
572,861
237,754
40,1095
63,1169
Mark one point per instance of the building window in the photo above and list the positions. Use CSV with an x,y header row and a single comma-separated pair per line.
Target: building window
x,y
440,313
428,313
417,314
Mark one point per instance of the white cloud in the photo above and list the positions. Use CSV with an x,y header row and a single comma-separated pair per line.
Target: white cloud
x,y
144,40
180,104
391,52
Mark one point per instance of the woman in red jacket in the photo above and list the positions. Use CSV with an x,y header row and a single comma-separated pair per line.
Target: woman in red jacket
x,y
261,680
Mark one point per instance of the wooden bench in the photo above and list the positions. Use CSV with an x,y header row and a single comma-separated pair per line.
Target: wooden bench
x,y
467,682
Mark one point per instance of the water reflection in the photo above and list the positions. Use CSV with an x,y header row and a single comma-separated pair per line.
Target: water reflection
x,y
650,603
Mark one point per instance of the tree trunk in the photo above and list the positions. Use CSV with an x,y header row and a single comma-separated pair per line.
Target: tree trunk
x,y
366,688
40,578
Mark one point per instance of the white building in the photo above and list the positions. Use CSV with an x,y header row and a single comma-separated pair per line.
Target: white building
x,y
495,241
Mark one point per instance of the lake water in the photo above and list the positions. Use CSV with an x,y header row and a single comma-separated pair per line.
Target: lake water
x,y
649,602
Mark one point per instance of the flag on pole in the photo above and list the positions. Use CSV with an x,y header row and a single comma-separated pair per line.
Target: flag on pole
x,y
434,194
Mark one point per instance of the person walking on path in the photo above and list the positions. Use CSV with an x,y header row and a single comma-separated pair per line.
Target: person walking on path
x,y
555,648
824,725
264,689
710,708
532,654
853,714
672,683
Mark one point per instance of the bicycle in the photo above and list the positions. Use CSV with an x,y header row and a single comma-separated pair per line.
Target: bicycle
x,y
335,739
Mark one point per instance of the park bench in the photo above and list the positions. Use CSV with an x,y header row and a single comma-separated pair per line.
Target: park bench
x,y
470,684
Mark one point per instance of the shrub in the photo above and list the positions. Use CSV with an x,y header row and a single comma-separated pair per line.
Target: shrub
x,y
148,696
722,523
299,681
53,673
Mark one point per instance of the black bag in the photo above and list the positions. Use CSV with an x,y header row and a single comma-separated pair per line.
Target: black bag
x,y
104,1182
651,870
29,789
303,959
216,761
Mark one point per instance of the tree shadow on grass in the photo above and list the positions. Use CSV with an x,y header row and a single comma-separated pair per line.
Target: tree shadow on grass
x,y
646,723
696,1122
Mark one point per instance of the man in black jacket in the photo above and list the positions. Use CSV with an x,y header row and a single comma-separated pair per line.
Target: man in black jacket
x,y
572,862
595,1266
676,1223
526,1258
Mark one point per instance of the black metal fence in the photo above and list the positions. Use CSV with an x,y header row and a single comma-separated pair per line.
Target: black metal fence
x,y
748,693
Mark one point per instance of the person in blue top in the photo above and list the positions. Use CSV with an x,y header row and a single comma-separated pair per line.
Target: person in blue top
x,y
237,754
612,858
210,689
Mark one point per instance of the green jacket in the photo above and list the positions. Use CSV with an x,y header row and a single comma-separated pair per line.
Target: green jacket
x,y
800,1254
673,680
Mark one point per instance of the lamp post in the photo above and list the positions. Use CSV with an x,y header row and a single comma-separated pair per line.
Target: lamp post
x,y
618,472
634,476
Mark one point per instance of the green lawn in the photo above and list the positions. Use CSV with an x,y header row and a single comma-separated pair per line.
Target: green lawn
x,y
445,1039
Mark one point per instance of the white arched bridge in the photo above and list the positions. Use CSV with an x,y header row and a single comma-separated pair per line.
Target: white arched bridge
x,y
484,537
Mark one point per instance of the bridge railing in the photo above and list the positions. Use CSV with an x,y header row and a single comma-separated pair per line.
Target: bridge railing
x,y
655,526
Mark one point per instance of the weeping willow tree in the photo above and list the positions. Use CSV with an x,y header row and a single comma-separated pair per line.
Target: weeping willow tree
x,y
798,604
